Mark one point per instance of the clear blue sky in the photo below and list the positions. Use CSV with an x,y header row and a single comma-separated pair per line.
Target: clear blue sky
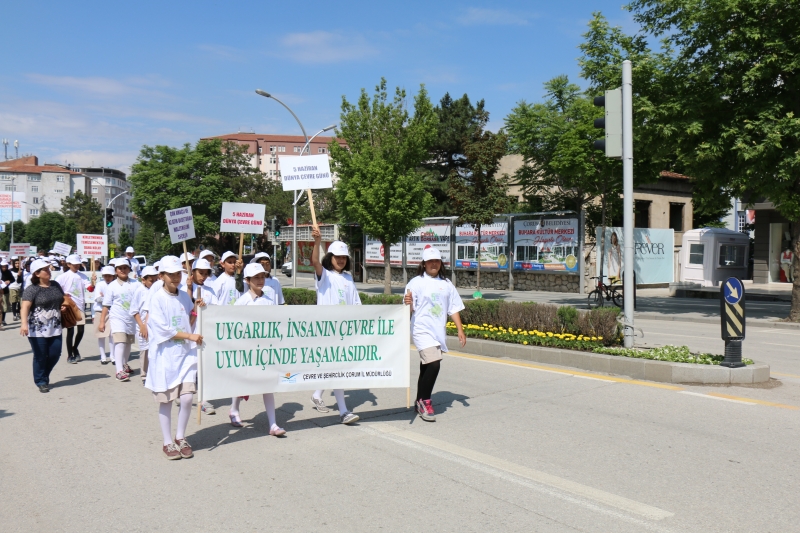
x,y
91,82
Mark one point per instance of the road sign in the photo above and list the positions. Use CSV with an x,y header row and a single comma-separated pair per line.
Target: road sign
x,y
732,316
2,228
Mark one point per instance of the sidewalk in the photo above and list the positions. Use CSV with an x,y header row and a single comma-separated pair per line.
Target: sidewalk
x,y
652,304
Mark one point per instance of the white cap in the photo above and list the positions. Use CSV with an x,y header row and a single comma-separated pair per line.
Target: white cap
x,y
129,250
227,255
259,256
338,248
251,269
51,252
13,257
201,264
107,270
39,264
149,271
157,264
206,253
3,263
431,253
74,259
170,264
187,257
120,261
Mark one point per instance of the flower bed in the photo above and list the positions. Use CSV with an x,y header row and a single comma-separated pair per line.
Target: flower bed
x,y
673,354
530,337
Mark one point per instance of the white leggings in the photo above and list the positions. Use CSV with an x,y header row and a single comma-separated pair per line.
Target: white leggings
x,y
122,352
339,395
165,418
269,406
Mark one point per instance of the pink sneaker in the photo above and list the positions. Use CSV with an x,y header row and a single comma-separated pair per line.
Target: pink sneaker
x,y
429,409
277,432
425,411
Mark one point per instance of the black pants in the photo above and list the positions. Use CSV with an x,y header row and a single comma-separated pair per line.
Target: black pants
x,y
46,352
427,379
78,338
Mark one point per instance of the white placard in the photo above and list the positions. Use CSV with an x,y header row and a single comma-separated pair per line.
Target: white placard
x,y
32,250
258,349
20,249
305,172
92,245
180,224
61,248
242,218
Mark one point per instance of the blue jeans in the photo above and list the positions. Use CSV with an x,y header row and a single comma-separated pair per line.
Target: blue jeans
x,y
46,352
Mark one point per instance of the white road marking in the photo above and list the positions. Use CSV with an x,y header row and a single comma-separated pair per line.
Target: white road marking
x,y
776,344
595,379
480,461
715,397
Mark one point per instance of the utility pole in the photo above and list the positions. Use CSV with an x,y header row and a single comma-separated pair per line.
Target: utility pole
x,y
628,279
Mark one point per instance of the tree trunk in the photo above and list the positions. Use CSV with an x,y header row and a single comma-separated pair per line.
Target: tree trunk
x,y
794,313
478,257
387,268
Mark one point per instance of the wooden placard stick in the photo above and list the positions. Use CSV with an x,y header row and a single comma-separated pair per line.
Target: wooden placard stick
x,y
186,260
199,311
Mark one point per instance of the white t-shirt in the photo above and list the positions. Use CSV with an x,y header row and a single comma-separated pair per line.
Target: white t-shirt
x,y
140,296
276,286
118,297
99,293
135,266
434,300
225,287
74,284
268,297
170,362
336,289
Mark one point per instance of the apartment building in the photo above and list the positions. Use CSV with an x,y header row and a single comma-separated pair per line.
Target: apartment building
x,y
112,184
265,151
36,188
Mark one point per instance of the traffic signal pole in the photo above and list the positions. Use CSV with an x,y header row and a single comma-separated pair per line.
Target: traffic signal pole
x,y
627,196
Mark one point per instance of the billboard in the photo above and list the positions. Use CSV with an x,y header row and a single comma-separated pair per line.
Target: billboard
x,y
653,251
9,212
492,251
432,235
546,244
373,253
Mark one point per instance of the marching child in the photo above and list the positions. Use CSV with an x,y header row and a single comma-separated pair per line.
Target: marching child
x,y
75,283
198,289
334,287
173,355
117,306
432,298
107,273
258,294
149,275
229,285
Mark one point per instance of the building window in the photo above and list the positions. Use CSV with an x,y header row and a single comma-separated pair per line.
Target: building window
x,y
59,191
11,188
297,149
36,199
108,190
676,216
641,214
5,177
59,178
34,188
741,221
34,212
281,148
32,177
94,190
322,150
273,160
260,150
272,149
731,255
696,252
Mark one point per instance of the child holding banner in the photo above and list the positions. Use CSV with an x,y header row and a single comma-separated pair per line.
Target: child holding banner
x,y
139,314
74,282
117,306
334,287
107,272
258,294
432,298
173,356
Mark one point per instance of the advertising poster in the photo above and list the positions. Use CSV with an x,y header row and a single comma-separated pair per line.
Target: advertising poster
x,y
433,235
546,244
260,349
493,246
15,211
653,251
373,254
304,251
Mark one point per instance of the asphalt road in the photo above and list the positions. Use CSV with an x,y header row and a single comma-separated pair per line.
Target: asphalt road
x,y
515,447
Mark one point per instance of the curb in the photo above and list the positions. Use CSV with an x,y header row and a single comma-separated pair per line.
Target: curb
x,y
660,371
752,322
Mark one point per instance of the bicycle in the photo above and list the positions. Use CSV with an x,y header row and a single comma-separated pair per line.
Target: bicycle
x,y
603,293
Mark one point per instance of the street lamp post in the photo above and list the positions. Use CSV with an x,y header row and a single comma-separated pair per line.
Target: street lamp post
x,y
296,195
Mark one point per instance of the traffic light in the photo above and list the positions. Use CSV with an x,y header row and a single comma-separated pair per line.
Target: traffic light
x,y
276,230
611,123
109,217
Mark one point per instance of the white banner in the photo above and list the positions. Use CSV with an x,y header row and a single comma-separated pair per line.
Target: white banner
x,y
305,172
61,248
653,254
242,218
20,249
180,224
92,245
259,349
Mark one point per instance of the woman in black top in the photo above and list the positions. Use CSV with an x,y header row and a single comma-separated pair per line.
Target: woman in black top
x,y
8,279
42,304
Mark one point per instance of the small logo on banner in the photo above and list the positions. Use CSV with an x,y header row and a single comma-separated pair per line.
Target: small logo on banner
x,y
289,378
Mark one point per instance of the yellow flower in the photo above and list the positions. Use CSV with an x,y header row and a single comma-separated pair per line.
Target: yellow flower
x,y
599,338
525,342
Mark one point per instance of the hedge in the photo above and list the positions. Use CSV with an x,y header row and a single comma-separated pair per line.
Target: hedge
x,y
309,297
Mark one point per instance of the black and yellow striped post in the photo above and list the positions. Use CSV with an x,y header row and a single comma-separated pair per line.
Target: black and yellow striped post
x,y
732,314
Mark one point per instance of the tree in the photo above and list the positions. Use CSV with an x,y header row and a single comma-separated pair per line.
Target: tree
x,y
457,122
203,177
44,230
84,211
125,238
19,234
475,190
379,185
732,106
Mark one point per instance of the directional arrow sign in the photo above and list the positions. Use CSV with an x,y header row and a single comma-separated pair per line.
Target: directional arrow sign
x,y
732,309
733,291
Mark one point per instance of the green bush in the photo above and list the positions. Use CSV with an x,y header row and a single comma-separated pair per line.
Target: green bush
x,y
300,296
673,354
380,299
568,317
480,311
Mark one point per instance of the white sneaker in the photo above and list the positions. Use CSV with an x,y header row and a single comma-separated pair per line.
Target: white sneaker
x,y
319,405
348,418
